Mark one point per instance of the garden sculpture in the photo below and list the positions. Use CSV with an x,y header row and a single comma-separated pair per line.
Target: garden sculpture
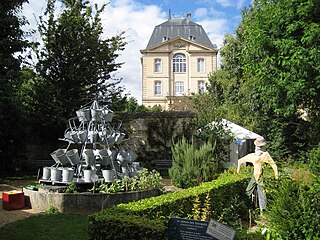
x,y
258,158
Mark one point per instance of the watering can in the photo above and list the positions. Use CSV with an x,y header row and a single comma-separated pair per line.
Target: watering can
x,y
84,114
73,156
89,157
60,156
107,115
105,156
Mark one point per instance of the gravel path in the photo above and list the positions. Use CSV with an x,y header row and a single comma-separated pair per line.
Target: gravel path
x,y
14,215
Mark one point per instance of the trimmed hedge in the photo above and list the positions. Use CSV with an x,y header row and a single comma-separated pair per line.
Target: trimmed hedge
x,y
147,218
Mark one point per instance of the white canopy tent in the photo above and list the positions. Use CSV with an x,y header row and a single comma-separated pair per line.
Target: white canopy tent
x,y
239,132
242,145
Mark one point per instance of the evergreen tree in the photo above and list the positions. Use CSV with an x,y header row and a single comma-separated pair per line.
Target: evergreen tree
x,y
11,42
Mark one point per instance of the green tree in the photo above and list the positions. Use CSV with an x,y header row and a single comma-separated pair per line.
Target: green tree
x,y
75,64
270,73
11,42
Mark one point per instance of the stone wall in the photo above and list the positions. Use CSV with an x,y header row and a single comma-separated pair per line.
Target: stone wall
x,y
81,202
149,134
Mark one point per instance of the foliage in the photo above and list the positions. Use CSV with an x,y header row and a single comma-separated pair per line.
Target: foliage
x,y
64,82
11,115
32,186
314,160
133,106
52,210
162,130
192,165
115,186
144,180
43,226
177,204
196,209
206,211
121,226
208,123
201,210
71,188
269,77
294,211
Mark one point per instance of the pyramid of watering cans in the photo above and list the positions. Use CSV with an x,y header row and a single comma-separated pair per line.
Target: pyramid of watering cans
x,y
94,148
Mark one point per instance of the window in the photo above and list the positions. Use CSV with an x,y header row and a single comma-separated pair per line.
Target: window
x,y
179,88
157,88
192,38
201,67
179,63
165,38
201,87
157,65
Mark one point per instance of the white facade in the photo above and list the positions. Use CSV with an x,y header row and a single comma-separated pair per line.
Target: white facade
x,y
176,66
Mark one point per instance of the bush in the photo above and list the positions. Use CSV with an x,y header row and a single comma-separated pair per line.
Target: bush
x,y
314,160
52,210
122,226
227,192
192,165
144,180
294,211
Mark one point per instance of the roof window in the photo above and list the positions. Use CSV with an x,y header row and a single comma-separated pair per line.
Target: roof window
x,y
165,38
192,38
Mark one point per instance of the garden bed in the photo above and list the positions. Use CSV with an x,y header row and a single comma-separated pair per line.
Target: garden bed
x,y
82,202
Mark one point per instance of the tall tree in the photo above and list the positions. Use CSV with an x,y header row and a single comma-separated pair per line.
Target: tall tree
x,y
11,42
76,63
271,71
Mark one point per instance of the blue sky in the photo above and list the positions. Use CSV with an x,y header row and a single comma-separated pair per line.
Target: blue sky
x,y
138,18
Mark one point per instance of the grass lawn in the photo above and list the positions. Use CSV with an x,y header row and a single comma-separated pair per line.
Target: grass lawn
x,y
53,226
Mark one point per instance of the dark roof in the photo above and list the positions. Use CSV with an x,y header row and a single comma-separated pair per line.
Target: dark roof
x,y
180,27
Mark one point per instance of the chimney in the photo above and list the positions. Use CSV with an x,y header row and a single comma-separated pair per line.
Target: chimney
x,y
189,16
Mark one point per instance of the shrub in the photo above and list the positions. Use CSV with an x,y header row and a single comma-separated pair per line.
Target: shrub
x,y
52,210
158,210
294,211
192,165
144,180
122,226
72,188
314,160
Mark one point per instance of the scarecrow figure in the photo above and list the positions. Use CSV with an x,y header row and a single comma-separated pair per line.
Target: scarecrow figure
x,y
258,158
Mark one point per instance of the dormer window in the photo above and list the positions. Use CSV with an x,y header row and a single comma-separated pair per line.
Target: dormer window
x,y
165,38
192,38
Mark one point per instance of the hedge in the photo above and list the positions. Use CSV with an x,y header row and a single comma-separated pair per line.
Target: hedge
x,y
147,218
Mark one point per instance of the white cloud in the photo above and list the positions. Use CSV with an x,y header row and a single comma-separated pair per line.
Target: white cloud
x,y
200,12
32,11
215,29
226,3
135,19
138,21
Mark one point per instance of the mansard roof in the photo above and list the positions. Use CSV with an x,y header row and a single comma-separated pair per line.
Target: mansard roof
x,y
179,27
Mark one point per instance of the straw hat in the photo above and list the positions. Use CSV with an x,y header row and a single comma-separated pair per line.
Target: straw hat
x,y
260,141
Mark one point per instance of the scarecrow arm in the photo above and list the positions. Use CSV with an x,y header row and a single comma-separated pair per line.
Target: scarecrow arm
x,y
268,159
247,158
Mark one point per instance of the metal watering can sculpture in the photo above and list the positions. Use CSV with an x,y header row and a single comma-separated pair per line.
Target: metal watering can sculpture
x,y
96,149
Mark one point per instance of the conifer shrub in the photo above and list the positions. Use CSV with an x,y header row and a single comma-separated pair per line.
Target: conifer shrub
x,y
192,165
294,211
